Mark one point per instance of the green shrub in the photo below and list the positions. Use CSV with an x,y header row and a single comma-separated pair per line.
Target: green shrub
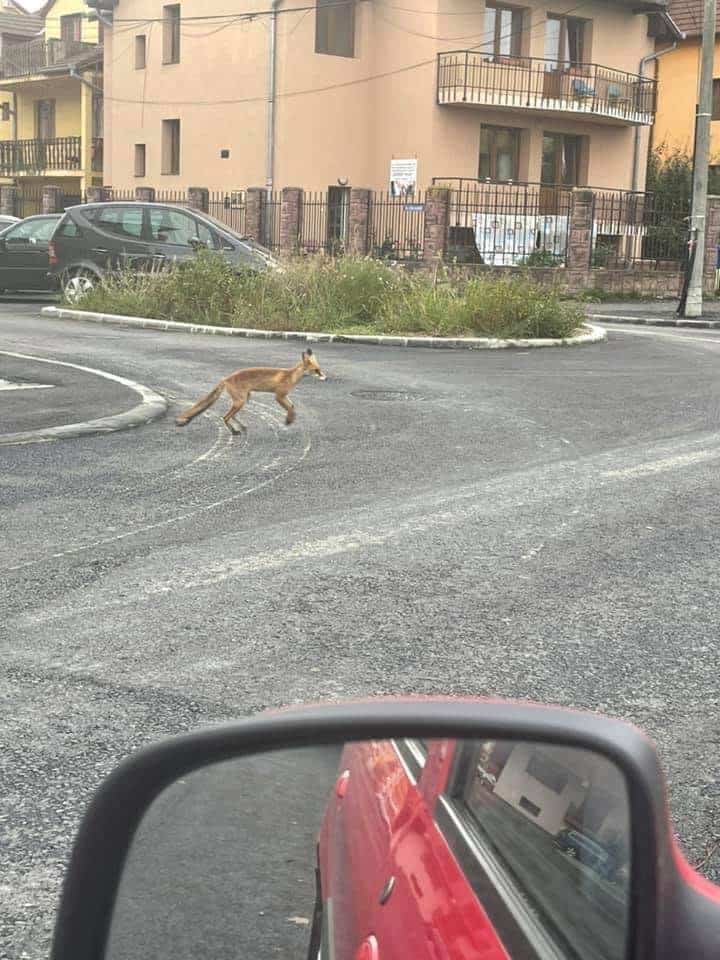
x,y
351,295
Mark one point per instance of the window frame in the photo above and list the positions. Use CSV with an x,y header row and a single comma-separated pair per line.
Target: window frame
x,y
329,28
564,61
140,51
172,20
29,225
716,99
75,21
516,32
493,130
140,151
180,213
95,219
171,147
557,173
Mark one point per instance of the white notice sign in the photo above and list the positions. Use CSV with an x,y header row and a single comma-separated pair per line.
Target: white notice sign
x,y
403,177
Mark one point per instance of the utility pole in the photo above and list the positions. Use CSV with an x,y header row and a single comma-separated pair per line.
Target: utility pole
x,y
694,301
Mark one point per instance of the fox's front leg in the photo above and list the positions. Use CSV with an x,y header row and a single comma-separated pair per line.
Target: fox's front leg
x,y
287,405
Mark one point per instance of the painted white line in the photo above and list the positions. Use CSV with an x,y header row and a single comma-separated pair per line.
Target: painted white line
x,y
8,385
151,406
661,466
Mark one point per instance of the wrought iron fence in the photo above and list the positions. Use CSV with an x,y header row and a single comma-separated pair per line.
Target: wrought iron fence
x,y
176,197
230,207
37,156
314,222
396,226
29,200
639,230
508,224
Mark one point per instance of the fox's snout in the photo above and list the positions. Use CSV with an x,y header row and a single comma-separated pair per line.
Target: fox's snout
x,y
320,375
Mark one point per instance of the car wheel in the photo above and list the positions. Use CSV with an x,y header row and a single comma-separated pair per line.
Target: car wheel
x,y
78,284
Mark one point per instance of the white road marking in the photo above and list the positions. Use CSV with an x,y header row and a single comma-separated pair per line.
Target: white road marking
x,y
9,385
661,466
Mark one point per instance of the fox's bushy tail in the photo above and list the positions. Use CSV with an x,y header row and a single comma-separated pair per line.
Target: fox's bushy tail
x,y
201,405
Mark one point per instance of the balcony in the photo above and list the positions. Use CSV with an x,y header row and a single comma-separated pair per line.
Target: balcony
x,y
37,157
542,86
41,56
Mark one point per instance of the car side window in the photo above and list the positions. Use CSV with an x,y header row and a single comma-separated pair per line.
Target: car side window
x,y
542,831
413,753
177,227
68,228
31,230
126,222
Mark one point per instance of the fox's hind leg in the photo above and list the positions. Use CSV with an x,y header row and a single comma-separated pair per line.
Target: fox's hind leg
x,y
230,422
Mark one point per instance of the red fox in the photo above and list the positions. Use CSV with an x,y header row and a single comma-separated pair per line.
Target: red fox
x,y
239,385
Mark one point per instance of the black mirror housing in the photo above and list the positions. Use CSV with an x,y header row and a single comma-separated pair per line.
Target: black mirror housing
x,y
666,914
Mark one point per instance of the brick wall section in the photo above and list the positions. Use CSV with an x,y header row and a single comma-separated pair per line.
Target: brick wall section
x,y
579,242
290,219
8,197
437,216
712,238
255,199
359,238
98,194
199,197
52,200
145,194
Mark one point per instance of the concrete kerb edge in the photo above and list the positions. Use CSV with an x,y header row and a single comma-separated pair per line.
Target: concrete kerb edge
x,y
656,321
595,334
151,407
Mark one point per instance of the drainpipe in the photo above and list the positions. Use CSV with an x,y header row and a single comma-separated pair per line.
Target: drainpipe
x,y
272,74
641,69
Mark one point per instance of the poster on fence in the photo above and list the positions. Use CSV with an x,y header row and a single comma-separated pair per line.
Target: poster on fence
x,y
507,240
403,177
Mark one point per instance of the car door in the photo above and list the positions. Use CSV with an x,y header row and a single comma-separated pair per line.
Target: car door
x,y
118,239
24,262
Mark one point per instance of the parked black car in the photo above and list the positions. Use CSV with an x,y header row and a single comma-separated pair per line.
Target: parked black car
x,y
24,253
95,239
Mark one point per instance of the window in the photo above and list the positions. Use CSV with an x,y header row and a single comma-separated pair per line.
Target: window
x,y
140,51
139,159
551,886
68,228
716,100
413,754
561,159
171,147
565,41
171,33
71,28
31,230
44,119
335,28
178,227
503,30
499,151
121,221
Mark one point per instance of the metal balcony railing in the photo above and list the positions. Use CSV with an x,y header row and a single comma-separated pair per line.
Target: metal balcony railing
x,y
529,83
37,156
37,56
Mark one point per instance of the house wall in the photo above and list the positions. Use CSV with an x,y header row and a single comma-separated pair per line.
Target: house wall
x,y
677,96
65,91
333,121
61,8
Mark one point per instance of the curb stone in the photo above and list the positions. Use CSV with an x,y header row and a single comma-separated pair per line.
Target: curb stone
x,y
657,321
595,333
151,407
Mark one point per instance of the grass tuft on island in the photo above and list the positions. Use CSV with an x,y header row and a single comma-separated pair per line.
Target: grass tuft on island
x,y
341,296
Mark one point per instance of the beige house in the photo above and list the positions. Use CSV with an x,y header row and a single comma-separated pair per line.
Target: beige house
x,y
332,92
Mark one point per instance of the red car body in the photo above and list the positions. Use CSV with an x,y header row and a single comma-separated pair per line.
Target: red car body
x,y
389,883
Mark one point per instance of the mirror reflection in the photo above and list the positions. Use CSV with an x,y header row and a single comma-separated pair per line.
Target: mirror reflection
x,y
396,848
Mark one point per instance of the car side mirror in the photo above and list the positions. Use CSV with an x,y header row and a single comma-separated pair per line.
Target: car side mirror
x,y
326,831
197,244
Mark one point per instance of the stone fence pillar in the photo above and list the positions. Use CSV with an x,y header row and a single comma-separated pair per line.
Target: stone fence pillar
x,y
437,218
290,219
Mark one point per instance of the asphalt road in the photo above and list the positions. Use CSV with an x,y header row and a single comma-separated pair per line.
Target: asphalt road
x,y
536,524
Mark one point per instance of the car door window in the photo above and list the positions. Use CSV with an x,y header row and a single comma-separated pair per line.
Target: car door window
x,y
541,832
30,230
125,222
177,227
